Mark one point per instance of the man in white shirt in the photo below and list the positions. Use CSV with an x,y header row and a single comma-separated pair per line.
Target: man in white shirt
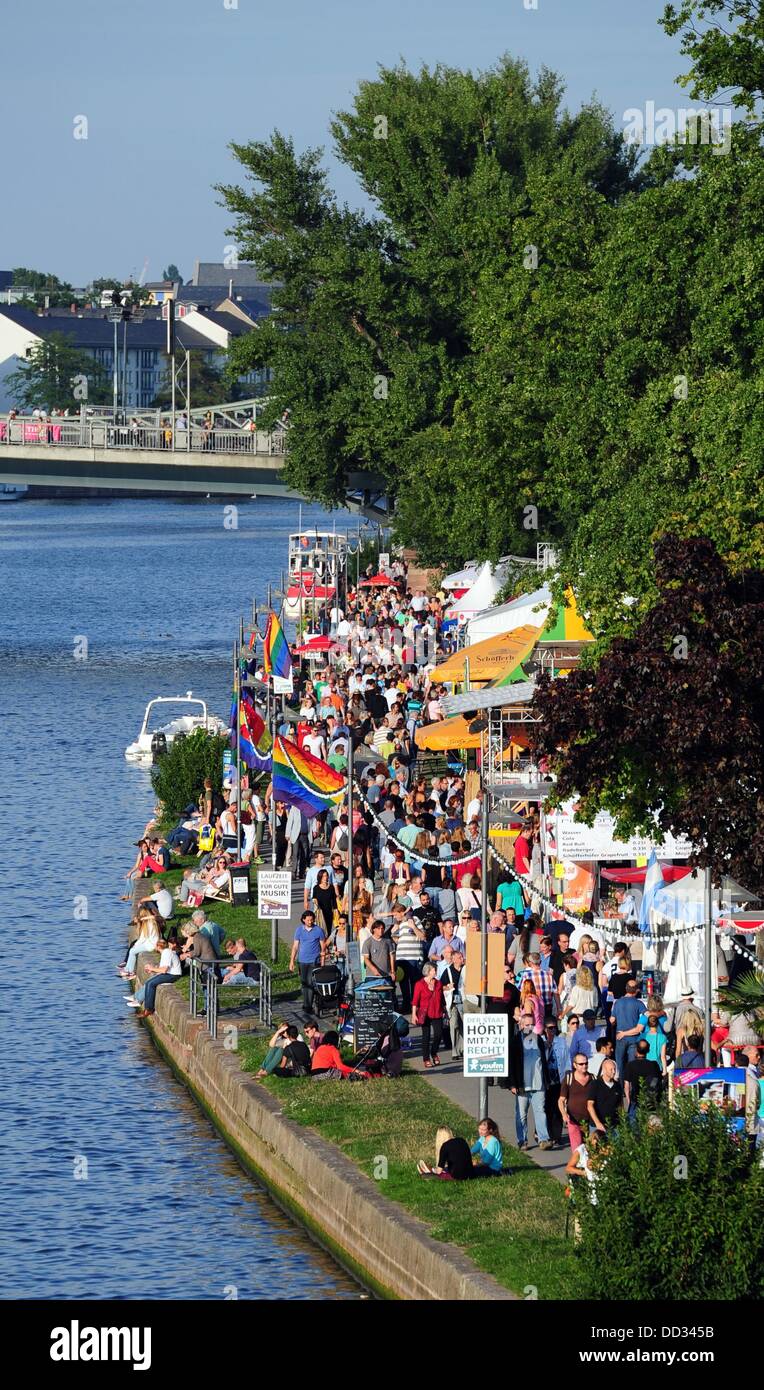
x,y
315,742
474,808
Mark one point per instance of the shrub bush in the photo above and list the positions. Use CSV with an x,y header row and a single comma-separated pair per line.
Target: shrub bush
x,y
178,777
658,1234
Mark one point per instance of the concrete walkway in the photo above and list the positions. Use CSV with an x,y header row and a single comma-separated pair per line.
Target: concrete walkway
x,y
449,1077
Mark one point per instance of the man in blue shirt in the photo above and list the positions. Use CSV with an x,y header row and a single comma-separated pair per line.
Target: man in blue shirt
x,y
586,1036
308,950
629,1013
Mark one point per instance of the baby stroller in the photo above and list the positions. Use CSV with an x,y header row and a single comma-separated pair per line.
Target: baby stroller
x,y
328,984
385,1056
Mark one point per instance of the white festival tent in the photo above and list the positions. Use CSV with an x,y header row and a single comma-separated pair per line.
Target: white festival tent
x,y
461,579
528,608
480,595
679,905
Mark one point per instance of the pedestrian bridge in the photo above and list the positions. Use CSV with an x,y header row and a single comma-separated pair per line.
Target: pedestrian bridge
x,y
215,451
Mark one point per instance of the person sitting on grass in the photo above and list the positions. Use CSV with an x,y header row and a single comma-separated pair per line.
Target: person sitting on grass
x,y
245,967
156,860
313,1035
147,939
327,1064
287,1055
165,973
453,1158
487,1150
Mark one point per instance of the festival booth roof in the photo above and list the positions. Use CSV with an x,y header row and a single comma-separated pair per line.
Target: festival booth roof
x,y
567,623
480,595
494,697
683,903
671,872
445,734
461,579
495,659
528,608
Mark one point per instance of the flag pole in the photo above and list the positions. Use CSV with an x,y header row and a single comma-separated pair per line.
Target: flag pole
x,y
349,935
272,709
238,743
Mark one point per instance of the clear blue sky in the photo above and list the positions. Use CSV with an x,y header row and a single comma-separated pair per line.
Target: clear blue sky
x,y
165,84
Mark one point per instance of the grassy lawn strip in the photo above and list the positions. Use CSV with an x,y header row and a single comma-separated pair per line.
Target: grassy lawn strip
x,y
235,921
512,1227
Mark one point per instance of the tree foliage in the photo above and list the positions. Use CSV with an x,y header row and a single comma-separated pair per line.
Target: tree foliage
x,y
531,316
667,732
679,1213
178,778
48,377
725,40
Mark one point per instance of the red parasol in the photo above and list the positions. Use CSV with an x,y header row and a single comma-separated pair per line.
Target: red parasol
x,y
316,644
377,581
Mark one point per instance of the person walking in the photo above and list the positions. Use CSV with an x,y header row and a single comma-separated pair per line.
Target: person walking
x,y
628,1014
308,951
530,1077
427,1013
575,1093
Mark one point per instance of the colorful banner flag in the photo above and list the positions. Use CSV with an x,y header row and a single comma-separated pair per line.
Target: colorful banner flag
x,y
255,742
304,781
276,658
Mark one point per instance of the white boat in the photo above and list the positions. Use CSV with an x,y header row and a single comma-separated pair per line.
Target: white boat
x,y
12,492
144,747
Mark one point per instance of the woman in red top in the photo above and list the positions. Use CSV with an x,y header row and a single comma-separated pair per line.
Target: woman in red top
x,y
427,1011
326,1058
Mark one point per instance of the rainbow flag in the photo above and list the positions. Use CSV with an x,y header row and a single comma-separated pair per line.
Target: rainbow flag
x,y
276,658
255,741
304,781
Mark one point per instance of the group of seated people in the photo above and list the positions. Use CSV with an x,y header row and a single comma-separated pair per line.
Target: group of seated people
x,y
306,1051
203,940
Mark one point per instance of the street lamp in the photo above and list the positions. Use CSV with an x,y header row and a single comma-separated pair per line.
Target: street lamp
x,y
479,726
121,312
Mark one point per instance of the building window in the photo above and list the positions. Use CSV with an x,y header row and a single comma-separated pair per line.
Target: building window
x,y
148,357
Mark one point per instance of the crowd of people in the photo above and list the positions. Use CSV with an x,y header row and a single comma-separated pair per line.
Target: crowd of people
x,y
589,1044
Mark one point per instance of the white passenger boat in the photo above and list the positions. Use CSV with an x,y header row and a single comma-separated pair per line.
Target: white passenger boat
x,y
156,738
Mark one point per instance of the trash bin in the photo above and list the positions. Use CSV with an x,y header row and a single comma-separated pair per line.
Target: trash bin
x,y
241,894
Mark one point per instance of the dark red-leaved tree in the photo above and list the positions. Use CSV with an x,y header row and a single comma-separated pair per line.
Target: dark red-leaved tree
x,y
667,732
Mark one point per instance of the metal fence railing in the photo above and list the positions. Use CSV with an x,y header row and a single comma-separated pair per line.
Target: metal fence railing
x,y
101,432
204,998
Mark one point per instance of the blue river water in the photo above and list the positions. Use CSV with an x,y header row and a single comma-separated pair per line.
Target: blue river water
x,y
115,1185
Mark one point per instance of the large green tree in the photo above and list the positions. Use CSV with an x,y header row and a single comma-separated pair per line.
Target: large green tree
x,y
383,340
58,375
667,732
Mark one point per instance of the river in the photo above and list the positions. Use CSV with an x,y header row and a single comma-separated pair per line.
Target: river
x,y
115,1185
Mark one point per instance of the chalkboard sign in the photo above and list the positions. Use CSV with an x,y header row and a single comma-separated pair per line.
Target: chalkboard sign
x,y
373,1014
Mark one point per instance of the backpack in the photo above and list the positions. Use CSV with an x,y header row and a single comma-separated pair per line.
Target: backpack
x,y
342,841
206,838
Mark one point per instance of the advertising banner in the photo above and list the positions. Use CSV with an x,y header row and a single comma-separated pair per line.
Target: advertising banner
x,y
274,894
486,1045
576,841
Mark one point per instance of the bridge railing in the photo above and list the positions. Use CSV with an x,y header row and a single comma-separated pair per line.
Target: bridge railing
x,y
100,432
